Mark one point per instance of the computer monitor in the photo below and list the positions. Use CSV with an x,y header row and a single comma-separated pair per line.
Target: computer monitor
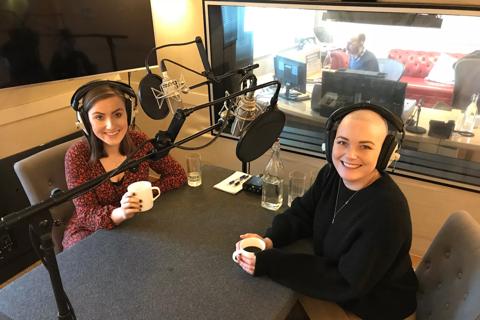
x,y
343,88
292,75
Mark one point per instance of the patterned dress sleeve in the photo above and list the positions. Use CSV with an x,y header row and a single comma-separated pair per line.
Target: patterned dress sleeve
x,y
90,214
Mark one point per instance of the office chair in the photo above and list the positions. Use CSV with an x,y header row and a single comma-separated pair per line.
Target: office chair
x,y
392,68
336,59
40,175
467,82
449,273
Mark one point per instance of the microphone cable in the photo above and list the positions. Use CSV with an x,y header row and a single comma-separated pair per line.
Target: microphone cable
x,y
147,58
181,66
216,136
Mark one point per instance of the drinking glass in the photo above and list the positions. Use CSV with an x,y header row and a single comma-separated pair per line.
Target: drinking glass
x,y
296,185
194,170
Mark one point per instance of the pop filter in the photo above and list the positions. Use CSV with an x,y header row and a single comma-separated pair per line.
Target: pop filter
x,y
148,90
260,135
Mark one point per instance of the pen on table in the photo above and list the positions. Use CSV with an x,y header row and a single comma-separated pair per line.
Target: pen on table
x,y
236,182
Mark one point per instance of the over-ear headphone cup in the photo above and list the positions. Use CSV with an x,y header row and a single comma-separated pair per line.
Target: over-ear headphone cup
x,y
329,141
130,111
83,123
388,147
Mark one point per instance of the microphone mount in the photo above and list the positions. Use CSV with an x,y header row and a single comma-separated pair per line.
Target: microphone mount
x,y
152,95
166,138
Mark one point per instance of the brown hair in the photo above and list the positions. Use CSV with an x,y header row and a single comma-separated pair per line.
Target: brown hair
x,y
96,145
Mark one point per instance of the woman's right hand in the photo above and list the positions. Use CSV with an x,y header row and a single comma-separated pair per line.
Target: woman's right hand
x,y
129,206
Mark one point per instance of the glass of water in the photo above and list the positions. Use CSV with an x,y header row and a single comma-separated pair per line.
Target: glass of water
x,y
194,169
297,184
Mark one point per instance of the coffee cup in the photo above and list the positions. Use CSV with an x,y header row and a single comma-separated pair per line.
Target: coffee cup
x,y
144,191
249,247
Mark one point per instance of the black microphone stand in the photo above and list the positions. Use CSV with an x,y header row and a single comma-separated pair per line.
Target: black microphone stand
x,y
46,249
414,128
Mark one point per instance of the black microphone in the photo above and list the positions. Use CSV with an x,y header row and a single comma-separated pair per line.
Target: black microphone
x,y
176,124
203,56
412,125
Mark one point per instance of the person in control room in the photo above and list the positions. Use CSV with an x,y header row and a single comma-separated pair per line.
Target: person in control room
x,y
359,222
359,57
106,110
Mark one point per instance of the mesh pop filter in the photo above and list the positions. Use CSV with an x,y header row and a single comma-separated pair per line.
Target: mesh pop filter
x,y
260,135
149,89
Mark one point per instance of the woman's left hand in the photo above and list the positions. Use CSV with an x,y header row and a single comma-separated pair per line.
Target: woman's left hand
x,y
247,263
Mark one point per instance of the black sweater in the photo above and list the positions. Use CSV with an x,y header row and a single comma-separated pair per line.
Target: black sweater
x,y
361,261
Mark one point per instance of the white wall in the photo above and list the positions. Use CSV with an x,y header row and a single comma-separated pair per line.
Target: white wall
x,y
36,114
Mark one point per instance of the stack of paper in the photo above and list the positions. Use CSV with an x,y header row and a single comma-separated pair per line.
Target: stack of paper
x,y
233,183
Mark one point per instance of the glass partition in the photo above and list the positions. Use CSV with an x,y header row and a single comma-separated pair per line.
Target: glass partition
x,y
423,63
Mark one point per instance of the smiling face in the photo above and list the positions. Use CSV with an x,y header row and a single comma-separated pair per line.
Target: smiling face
x,y
356,148
108,118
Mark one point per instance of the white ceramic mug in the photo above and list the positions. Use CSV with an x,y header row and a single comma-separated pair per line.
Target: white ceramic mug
x,y
248,247
144,191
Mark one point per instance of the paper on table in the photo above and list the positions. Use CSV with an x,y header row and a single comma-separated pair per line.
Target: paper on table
x,y
226,186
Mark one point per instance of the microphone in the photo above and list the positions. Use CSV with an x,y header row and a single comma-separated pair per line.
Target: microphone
x,y
203,56
412,125
156,97
247,110
170,91
160,95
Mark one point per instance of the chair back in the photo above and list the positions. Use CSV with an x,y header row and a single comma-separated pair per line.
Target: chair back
x,y
41,174
392,68
449,273
338,60
467,82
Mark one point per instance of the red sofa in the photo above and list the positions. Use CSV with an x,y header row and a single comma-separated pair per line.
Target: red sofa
x,y
417,67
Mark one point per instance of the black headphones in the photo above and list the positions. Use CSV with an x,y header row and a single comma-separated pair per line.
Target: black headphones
x,y
392,140
77,101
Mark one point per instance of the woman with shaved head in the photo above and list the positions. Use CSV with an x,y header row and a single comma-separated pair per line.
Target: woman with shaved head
x,y
359,222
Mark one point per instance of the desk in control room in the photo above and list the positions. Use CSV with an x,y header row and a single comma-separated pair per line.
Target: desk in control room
x,y
303,112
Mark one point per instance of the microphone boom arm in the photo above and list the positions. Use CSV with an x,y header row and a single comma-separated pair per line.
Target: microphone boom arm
x,y
65,309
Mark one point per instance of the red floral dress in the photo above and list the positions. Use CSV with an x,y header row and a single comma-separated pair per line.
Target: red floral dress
x,y
93,209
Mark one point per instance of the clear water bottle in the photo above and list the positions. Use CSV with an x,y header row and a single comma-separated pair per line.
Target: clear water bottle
x,y
470,114
272,181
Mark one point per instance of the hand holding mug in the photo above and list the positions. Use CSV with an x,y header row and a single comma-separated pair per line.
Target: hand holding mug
x,y
129,206
246,250
143,190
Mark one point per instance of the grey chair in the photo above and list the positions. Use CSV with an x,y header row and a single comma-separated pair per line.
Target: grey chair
x,y
467,82
393,69
40,175
449,273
